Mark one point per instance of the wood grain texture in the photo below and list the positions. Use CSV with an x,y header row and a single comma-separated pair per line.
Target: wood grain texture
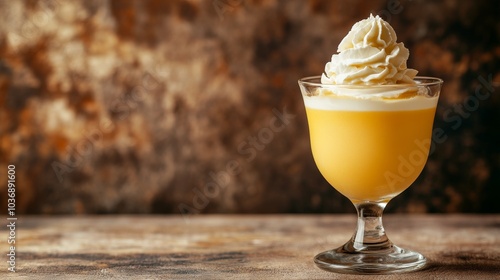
x,y
240,247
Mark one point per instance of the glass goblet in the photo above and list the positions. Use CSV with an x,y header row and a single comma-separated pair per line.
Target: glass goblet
x,y
370,143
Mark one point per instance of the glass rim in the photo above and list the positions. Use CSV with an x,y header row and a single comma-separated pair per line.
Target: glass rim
x,y
420,81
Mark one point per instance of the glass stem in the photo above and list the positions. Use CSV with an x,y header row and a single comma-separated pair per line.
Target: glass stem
x,y
370,234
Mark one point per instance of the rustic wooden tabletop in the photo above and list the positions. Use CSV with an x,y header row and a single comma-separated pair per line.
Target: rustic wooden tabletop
x,y
239,246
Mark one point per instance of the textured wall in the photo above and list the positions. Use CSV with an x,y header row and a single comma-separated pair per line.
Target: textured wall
x,y
148,106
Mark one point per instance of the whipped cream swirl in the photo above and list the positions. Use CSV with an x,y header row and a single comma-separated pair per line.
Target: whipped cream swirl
x,y
369,55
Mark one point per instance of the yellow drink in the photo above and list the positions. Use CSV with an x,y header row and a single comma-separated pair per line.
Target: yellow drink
x,y
370,150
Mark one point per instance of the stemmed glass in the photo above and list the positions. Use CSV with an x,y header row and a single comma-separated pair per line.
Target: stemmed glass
x,y
370,143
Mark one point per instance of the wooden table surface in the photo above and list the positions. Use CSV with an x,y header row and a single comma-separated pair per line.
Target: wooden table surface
x,y
239,246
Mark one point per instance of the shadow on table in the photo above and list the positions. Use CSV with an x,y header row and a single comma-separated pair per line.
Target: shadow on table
x,y
448,268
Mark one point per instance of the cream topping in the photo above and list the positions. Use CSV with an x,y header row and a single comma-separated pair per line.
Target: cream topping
x,y
365,105
369,55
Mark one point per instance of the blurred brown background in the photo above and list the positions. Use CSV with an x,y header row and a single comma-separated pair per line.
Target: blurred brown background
x,y
193,106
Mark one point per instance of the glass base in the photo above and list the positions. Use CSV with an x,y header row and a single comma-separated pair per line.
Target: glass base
x,y
386,261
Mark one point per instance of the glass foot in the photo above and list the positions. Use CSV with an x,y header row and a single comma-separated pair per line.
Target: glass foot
x,y
392,260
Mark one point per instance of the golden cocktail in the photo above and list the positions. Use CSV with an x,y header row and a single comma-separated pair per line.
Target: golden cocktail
x,y
370,150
